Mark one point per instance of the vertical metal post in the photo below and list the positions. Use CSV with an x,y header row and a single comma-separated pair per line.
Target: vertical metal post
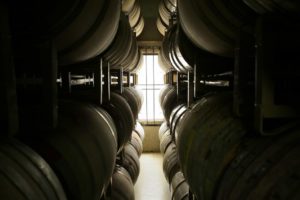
x,y
128,79
190,89
48,62
178,86
244,70
9,124
98,82
107,82
120,81
195,81
66,83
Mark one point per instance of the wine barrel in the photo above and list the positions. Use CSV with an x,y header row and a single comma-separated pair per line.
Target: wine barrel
x,y
139,27
179,187
139,130
170,102
138,64
80,30
127,5
161,26
82,150
174,115
170,162
287,8
136,142
183,55
136,19
165,141
215,25
264,168
133,57
163,93
122,186
208,137
185,51
165,10
163,64
132,100
131,162
165,48
25,175
123,118
178,61
162,129
120,48
138,96
177,121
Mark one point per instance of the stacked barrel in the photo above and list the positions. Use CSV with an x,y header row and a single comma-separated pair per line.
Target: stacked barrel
x,y
127,168
209,150
173,111
91,148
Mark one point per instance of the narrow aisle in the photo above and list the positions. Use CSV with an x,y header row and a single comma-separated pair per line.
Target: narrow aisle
x,y
151,184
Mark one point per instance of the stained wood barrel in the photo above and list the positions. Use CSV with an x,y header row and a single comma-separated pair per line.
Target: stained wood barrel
x,y
122,186
164,90
162,129
119,49
127,5
132,100
208,137
170,102
138,96
170,162
131,162
138,63
165,141
136,142
133,57
82,151
287,8
179,187
139,130
136,19
165,10
163,64
264,168
165,48
161,26
123,118
25,175
175,114
184,55
215,25
80,30
139,27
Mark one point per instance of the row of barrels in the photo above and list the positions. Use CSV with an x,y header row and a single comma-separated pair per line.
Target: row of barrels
x,y
222,158
127,169
173,108
178,186
166,9
81,31
77,159
208,31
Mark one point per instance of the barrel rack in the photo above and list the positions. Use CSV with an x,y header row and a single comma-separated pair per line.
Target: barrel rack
x,y
263,89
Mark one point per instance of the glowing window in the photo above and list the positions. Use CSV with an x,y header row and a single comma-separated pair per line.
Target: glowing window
x,y
150,81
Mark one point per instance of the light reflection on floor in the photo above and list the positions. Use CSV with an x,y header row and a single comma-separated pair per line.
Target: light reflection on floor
x,y
151,184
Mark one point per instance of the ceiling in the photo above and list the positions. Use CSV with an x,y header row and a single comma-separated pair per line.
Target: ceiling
x,y
150,35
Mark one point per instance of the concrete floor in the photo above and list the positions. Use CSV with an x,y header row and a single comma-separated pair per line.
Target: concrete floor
x,y
151,184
